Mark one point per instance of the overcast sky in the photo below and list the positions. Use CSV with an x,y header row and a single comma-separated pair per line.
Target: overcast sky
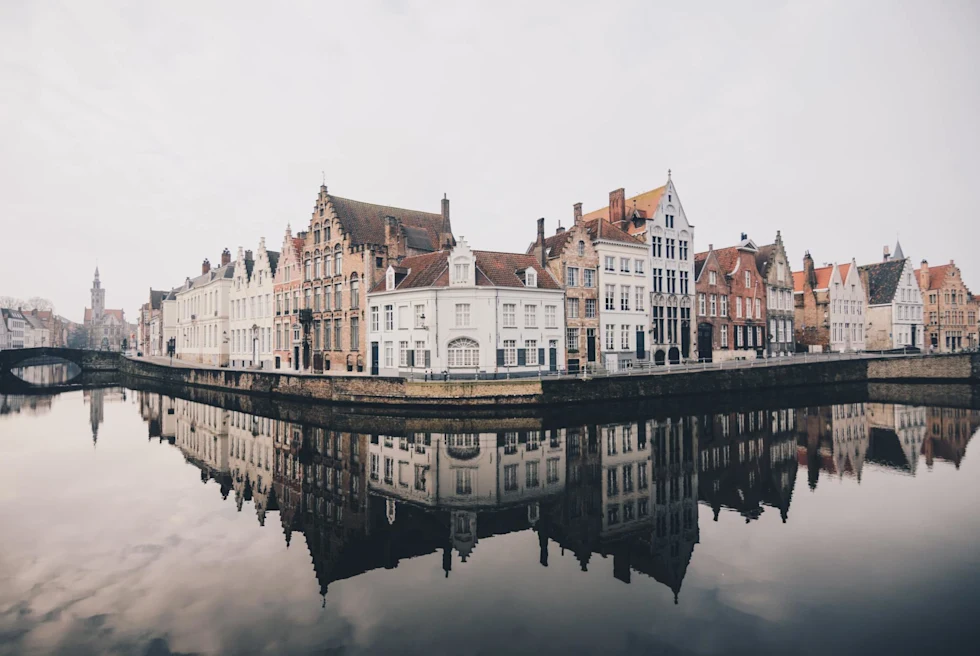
x,y
150,136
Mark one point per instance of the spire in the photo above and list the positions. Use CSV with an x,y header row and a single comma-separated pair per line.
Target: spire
x,y
898,254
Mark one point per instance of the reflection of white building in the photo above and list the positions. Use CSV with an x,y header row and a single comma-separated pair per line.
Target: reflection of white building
x,y
675,489
907,423
202,435
625,458
250,454
849,431
466,312
251,308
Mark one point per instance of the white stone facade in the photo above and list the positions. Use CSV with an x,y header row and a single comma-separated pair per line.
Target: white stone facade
x,y
624,298
203,317
847,309
251,309
906,311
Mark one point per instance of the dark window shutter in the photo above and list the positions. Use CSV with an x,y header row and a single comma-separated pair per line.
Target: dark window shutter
x,y
540,356
500,357
521,357
428,359
411,358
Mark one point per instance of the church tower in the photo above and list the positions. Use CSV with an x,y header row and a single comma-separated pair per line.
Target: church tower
x,y
98,298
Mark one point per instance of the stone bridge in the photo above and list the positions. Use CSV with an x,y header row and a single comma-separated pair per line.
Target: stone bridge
x,y
88,361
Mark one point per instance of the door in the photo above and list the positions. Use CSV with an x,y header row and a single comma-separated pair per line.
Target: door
x,y
686,339
705,334
913,336
296,358
641,350
374,358
553,355
590,344
255,351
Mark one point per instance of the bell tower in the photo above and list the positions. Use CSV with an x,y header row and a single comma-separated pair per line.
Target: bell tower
x,y
98,298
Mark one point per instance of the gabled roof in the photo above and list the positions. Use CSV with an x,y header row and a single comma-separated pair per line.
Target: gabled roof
x,y
553,244
273,261
823,277
492,270
937,275
699,261
763,258
118,314
156,297
645,203
364,222
604,230
883,279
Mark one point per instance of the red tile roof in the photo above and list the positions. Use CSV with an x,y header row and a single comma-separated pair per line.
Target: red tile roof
x,y
645,203
492,270
117,313
937,275
364,222
603,229
823,277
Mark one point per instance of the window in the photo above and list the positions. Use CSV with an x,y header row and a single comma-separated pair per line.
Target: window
x,y
389,317
724,306
671,281
510,352
610,297
510,315
609,263
463,352
669,219
338,261
531,316
571,277
531,474
419,316
738,307
638,267
685,289
581,248
641,476
530,278
724,336
571,339
748,280
464,481
590,308
550,316
624,337
624,264
671,250
701,305
552,473
419,477
624,297
338,296
610,337
462,315
658,280
375,466
758,308
389,471
657,243
640,293
588,276
683,249
461,271
612,482
402,354
712,278
627,478
308,270
531,349
355,333
571,308
738,337
510,478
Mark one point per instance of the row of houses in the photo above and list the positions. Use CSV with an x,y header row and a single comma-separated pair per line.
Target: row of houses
x,y
32,328
372,289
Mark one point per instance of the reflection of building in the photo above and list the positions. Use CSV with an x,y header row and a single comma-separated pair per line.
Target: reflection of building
x,y
949,431
250,455
34,405
96,399
834,439
897,435
202,435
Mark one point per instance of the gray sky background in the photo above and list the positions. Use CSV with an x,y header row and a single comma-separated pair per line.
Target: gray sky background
x,y
148,136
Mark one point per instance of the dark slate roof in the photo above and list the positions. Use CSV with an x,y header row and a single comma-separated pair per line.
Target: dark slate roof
x,y
492,270
418,239
602,229
155,298
699,260
763,257
364,222
273,260
883,279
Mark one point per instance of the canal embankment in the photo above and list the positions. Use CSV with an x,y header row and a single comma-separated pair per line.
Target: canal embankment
x,y
557,391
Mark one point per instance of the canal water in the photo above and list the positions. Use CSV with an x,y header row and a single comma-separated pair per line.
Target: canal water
x,y
135,522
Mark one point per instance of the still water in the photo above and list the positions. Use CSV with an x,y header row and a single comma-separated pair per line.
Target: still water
x,y
135,522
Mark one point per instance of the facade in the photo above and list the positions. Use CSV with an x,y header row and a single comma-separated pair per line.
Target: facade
x,y
347,250
251,308
167,323
658,218
107,329
895,310
464,313
624,261
830,307
732,302
773,265
571,257
202,314
14,332
287,285
950,310
150,312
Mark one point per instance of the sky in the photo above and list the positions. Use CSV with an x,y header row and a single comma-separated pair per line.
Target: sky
x,y
145,137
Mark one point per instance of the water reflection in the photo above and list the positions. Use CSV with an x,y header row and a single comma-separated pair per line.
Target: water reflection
x,y
629,491
46,372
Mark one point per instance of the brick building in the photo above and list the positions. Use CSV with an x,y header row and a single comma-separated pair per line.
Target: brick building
x,y
950,310
773,265
572,259
345,252
287,286
741,294
829,307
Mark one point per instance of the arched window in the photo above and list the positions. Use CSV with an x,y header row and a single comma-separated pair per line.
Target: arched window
x,y
581,248
355,292
338,260
463,352
309,270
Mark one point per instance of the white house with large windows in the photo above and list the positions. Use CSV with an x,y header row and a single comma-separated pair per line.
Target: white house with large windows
x,y
466,314
202,314
847,309
251,300
894,302
624,264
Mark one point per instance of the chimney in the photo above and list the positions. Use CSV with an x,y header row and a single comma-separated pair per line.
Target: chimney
x,y
617,207
885,254
577,211
540,247
808,273
205,266
924,276
225,257
447,226
711,247
560,229
744,236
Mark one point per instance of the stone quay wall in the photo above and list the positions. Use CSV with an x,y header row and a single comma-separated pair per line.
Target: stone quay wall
x,y
389,391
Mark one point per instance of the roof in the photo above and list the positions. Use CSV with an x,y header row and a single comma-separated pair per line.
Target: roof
x,y
492,270
645,203
823,275
554,244
763,257
156,297
937,275
883,279
227,271
116,313
603,229
273,260
699,260
364,223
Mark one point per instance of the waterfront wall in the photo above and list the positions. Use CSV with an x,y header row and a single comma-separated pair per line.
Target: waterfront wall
x,y
961,368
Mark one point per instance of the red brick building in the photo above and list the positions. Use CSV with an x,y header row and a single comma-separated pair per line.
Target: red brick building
x,y
287,331
949,309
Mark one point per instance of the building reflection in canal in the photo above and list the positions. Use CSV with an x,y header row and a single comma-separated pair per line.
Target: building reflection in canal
x,y
629,491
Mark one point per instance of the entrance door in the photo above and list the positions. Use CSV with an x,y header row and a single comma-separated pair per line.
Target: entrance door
x,y
553,355
913,336
255,351
296,358
686,339
674,355
590,344
374,358
705,334
641,351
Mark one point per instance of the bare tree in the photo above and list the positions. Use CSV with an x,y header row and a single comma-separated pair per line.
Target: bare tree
x,y
38,303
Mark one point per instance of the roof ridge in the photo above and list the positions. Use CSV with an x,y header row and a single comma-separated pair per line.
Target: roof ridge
x,y
393,207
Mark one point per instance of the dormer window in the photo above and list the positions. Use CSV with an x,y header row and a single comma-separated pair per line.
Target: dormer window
x,y
390,279
530,278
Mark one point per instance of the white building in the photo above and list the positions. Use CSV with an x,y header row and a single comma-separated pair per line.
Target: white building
x,y
168,319
624,264
251,450
251,301
626,493
202,314
847,309
15,328
658,218
895,317
466,313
